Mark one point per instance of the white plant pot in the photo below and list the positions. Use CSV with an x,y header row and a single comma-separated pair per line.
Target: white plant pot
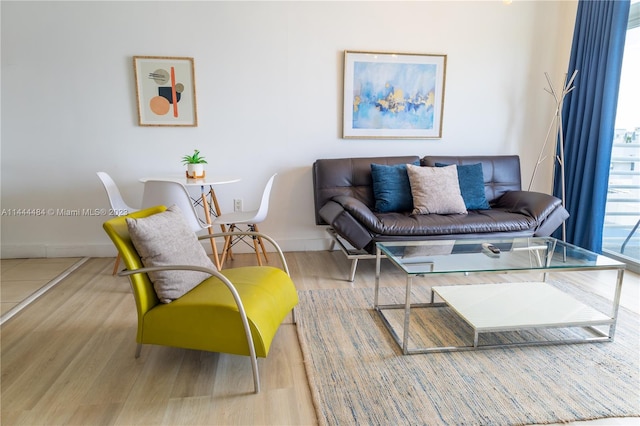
x,y
195,171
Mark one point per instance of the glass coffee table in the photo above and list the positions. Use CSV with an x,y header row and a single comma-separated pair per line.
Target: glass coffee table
x,y
501,307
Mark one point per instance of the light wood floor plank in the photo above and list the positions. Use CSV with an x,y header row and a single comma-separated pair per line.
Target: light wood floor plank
x,y
95,415
189,411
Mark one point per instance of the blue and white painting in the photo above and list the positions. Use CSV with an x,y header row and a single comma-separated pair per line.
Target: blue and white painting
x,y
393,95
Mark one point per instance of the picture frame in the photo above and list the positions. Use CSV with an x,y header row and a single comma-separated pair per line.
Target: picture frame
x,y
160,80
393,95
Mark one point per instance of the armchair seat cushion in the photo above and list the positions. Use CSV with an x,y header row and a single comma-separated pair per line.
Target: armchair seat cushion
x,y
206,318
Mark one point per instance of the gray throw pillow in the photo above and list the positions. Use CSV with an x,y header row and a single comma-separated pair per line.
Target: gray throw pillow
x,y
435,190
166,239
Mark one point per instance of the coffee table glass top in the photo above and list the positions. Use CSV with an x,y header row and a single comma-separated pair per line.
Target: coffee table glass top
x,y
516,254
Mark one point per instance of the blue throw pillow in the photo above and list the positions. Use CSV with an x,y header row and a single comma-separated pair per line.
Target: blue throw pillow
x,y
471,180
391,187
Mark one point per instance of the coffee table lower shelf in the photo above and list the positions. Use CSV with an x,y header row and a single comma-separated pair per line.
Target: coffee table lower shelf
x,y
492,308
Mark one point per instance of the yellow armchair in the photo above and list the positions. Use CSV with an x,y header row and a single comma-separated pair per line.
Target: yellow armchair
x,y
237,310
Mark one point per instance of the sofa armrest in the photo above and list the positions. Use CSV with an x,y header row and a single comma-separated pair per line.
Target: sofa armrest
x,y
349,218
546,209
533,204
359,210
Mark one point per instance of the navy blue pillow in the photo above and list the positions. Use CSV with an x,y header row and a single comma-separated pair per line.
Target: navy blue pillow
x,y
391,187
471,181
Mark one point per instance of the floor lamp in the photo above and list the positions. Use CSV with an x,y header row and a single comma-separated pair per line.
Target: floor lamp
x,y
556,123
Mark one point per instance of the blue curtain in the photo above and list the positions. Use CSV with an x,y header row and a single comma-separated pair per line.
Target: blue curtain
x,y
588,117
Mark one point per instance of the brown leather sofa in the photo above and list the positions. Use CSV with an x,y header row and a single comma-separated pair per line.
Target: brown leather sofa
x,y
344,201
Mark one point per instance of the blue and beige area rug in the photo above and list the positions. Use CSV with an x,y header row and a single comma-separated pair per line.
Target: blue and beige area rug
x,y
358,375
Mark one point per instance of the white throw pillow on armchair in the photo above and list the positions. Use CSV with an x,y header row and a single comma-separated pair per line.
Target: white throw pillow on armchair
x,y
166,239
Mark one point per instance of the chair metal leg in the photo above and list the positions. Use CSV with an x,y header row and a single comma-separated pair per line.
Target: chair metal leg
x,y
354,265
256,374
352,254
248,335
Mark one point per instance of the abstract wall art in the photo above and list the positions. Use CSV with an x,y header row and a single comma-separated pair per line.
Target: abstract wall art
x,y
165,89
393,95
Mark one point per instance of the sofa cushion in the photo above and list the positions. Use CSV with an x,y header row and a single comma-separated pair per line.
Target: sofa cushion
x,y
166,239
391,188
480,222
471,182
435,190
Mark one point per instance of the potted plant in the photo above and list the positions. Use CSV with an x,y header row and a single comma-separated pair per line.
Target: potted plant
x,y
195,165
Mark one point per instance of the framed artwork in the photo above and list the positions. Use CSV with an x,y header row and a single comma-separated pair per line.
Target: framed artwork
x,y
166,91
393,95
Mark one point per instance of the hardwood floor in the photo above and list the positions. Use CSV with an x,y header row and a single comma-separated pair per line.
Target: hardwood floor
x,y
67,358
22,278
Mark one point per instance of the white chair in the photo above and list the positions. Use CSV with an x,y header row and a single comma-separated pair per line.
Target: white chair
x,y
166,193
118,206
251,220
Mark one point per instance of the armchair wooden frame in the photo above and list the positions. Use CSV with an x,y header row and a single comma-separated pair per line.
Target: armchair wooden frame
x,y
146,300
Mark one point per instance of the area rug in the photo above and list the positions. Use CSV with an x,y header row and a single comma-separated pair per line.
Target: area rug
x,y
358,375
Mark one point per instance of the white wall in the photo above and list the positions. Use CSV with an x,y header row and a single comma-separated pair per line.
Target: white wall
x,y
269,93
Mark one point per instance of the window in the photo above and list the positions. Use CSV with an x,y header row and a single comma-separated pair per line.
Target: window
x,y
621,232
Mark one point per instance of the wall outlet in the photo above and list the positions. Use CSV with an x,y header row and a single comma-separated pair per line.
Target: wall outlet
x,y
237,204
